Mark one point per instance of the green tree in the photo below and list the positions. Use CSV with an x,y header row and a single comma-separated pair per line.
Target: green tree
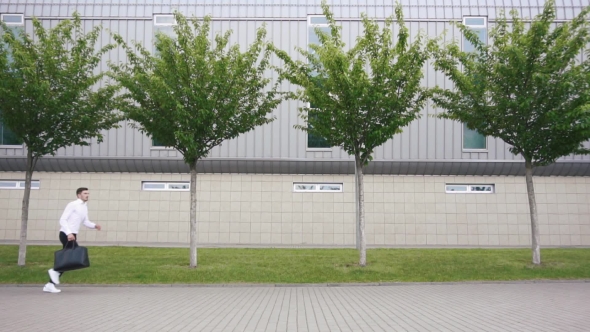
x,y
50,94
528,87
361,97
192,95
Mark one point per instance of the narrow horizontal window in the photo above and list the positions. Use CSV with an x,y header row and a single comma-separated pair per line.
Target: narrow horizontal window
x,y
330,187
8,184
153,186
469,188
179,186
318,20
13,19
18,184
474,21
481,188
165,186
164,20
34,184
317,187
455,188
304,187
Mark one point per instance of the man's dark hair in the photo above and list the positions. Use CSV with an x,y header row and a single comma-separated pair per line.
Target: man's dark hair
x,y
79,190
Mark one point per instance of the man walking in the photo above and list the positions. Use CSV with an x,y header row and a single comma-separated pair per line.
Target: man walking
x,y
74,215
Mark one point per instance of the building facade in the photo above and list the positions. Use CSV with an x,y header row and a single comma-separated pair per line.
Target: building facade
x,y
436,184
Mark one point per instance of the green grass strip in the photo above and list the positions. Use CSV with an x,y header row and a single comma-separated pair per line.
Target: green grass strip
x,y
141,265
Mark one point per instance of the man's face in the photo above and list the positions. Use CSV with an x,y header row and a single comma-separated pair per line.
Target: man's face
x,y
83,195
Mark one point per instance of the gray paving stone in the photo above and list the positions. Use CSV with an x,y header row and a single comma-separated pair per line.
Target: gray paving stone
x,y
552,306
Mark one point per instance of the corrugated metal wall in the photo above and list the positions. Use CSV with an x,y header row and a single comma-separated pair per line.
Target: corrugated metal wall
x,y
425,139
279,9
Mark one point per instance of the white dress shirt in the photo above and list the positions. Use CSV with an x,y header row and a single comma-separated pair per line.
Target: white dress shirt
x,y
74,215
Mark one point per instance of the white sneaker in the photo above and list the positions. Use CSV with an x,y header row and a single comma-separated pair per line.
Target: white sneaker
x,y
54,276
50,288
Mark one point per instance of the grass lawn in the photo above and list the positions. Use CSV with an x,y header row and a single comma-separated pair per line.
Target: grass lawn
x,y
140,265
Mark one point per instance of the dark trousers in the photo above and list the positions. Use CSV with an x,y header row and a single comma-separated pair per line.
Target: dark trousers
x,y
63,238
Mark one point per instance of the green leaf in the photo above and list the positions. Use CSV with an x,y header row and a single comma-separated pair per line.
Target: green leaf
x,y
51,96
361,96
193,94
527,87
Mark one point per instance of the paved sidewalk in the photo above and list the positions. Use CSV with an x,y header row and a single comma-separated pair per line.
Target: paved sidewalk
x,y
446,307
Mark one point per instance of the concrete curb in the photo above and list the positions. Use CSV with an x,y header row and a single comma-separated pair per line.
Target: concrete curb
x,y
371,284
277,246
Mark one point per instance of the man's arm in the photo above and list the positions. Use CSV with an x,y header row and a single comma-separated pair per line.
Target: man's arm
x,y
90,224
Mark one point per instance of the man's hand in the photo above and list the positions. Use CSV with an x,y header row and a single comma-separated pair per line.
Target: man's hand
x,y
71,237
97,226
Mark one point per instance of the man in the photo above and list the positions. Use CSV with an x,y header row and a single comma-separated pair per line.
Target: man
x,y
74,215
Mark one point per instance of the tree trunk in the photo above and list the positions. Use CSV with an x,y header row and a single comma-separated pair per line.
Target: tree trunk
x,y
193,215
22,247
533,210
356,208
360,191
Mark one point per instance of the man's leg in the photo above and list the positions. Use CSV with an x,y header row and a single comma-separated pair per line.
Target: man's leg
x,y
54,275
63,238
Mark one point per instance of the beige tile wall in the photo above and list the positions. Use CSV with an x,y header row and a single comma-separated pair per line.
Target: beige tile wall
x,y
262,209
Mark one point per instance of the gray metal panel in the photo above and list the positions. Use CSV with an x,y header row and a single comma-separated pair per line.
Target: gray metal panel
x,y
288,9
413,129
427,138
431,10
